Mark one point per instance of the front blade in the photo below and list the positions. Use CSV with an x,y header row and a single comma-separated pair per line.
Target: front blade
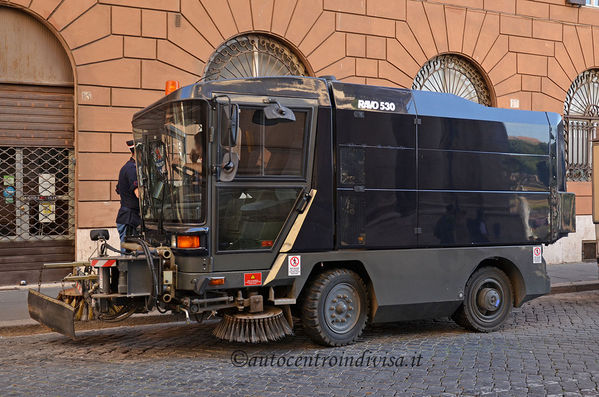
x,y
52,313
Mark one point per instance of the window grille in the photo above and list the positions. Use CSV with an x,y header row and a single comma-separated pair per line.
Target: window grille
x,y
581,124
454,75
253,55
38,193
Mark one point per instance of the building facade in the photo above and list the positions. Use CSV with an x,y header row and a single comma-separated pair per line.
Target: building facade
x,y
73,72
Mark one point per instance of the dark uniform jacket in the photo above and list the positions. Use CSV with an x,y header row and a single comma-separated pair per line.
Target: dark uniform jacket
x,y
129,211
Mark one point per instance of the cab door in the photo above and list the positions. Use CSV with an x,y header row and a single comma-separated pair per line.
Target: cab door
x,y
253,213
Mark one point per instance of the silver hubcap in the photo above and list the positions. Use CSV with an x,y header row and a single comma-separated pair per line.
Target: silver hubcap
x,y
342,308
487,296
489,299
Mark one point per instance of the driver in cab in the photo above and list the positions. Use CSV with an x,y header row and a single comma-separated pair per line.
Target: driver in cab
x,y
197,153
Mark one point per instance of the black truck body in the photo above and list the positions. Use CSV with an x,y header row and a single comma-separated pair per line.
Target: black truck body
x,y
411,193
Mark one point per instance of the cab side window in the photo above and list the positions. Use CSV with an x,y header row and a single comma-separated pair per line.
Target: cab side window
x,y
271,147
273,151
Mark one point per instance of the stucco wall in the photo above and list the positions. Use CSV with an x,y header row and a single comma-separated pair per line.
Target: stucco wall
x,y
124,50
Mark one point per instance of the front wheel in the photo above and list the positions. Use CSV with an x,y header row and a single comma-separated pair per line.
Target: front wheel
x,y
335,308
488,301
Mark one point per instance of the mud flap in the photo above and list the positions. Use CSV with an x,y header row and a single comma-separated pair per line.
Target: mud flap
x,y
52,313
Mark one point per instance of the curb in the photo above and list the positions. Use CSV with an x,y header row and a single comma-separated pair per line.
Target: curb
x,y
578,286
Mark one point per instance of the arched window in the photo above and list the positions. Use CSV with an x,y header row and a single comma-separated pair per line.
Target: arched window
x,y
581,114
455,75
253,55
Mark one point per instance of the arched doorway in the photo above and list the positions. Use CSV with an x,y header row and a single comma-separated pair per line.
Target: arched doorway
x,y
581,121
253,55
455,75
36,149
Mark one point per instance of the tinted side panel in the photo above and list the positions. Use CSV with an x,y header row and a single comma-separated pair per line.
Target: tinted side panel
x,y
376,219
351,219
377,168
483,174
474,218
559,150
391,219
390,168
484,136
375,129
376,198
500,128
316,233
455,170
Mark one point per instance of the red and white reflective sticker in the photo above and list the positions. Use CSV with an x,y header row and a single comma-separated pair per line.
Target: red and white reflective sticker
x,y
103,262
294,265
537,254
250,279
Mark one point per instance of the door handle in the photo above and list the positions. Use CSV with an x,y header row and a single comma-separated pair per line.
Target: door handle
x,y
303,203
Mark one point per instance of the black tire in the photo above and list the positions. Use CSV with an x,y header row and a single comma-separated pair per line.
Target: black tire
x,y
488,301
336,323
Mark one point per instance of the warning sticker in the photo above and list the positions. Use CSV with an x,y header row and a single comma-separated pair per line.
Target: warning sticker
x,y
537,255
294,265
47,212
250,279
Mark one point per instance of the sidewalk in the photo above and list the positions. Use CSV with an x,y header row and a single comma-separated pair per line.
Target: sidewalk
x,y
569,277
573,277
15,320
573,272
13,303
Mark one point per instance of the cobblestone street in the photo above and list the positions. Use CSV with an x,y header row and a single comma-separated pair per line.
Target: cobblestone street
x,y
548,348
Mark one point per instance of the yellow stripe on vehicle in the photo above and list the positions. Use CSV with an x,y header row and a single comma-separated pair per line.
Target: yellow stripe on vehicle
x,y
275,268
297,225
290,240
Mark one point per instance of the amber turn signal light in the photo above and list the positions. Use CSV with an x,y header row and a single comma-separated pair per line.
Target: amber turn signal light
x,y
217,281
171,85
188,241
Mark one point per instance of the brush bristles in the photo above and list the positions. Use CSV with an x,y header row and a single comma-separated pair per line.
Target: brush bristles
x,y
244,329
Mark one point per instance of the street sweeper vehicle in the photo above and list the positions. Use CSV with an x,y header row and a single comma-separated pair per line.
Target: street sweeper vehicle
x,y
340,204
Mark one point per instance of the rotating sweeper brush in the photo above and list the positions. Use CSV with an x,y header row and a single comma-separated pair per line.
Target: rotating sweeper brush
x,y
268,325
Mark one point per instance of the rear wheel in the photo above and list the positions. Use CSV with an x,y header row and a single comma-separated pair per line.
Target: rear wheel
x,y
335,308
488,301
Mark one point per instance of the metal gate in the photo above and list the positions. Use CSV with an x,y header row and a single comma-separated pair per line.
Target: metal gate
x,y
37,211
38,194
581,120
579,132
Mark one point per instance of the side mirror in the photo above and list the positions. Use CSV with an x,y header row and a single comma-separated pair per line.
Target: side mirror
x,y
230,124
233,124
276,111
228,168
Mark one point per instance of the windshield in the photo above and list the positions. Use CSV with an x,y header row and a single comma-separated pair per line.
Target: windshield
x,y
169,148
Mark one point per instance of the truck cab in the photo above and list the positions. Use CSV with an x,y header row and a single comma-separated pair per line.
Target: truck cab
x,y
224,172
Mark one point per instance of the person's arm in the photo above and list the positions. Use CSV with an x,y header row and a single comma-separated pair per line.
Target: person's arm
x,y
132,176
